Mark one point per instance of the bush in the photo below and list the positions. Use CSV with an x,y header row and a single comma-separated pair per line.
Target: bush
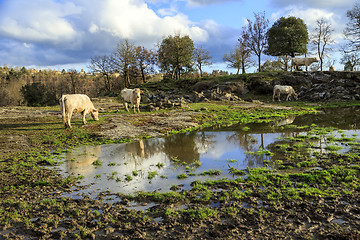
x,y
36,94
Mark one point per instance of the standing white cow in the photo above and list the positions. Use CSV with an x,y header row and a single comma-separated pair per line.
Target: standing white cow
x,y
77,103
296,62
131,96
279,89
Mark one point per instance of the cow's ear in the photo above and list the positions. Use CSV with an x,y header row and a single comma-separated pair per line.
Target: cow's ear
x,y
141,91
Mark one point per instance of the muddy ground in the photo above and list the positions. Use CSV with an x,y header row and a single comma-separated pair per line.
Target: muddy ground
x,y
33,205
117,126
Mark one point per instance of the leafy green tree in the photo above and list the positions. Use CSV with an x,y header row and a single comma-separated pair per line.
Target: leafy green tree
x,y
175,55
287,37
272,66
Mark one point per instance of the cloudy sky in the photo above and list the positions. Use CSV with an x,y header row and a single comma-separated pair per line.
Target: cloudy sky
x,y
65,34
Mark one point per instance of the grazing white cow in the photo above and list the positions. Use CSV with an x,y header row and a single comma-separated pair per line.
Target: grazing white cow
x,y
77,103
131,96
279,89
296,62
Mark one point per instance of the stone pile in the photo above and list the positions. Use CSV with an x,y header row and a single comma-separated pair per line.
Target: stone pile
x,y
326,86
175,98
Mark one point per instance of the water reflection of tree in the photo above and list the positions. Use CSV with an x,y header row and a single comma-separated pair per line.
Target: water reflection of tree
x,y
187,147
246,141
251,143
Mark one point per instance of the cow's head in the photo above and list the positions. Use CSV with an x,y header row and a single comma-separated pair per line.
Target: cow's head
x,y
294,95
95,114
137,94
314,59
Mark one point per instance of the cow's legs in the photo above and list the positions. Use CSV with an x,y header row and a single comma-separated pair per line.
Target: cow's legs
x,y
84,117
126,106
65,114
69,115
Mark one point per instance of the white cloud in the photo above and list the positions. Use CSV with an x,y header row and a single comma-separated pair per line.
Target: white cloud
x,y
37,21
87,27
124,19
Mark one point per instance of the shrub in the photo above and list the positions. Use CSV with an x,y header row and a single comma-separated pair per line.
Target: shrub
x,y
36,94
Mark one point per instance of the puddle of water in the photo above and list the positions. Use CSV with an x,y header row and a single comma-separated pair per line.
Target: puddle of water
x,y
181,159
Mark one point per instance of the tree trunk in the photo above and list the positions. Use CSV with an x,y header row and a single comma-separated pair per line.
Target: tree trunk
x,y
259,58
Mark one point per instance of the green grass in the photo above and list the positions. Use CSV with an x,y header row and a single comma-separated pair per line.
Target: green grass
x,y
151,175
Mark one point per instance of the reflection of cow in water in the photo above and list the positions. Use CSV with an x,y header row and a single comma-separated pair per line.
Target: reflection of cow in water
x,y
81,163
285,121
135,148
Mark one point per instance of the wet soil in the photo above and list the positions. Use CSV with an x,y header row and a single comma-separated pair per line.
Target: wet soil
x,y
34,203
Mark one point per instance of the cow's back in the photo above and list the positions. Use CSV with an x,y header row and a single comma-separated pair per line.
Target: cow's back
x,y
77,101
126,94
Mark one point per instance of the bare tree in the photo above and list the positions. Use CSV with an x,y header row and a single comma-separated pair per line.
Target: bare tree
x,y
255,35
321,38
146,60
73,77
124,60
202,58
352,30
239,58
350,60
102,64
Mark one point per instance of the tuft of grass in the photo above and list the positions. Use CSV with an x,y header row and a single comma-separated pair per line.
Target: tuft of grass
x,y
128,177
182,176
152,175
211,172
97,162
332,148
235,171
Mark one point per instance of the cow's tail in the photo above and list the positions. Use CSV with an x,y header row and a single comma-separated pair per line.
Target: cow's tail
x,y
62,103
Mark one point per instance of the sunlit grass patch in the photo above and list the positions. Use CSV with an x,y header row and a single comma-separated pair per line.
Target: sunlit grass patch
x,y
211,172
333,148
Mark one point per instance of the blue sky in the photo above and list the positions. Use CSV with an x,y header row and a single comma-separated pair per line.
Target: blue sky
x,y
65,34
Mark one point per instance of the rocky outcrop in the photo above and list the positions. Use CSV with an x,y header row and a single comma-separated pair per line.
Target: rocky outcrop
x,y
310,86
324,86
200,92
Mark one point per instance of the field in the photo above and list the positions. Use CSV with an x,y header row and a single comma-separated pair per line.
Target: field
x,y
321,204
